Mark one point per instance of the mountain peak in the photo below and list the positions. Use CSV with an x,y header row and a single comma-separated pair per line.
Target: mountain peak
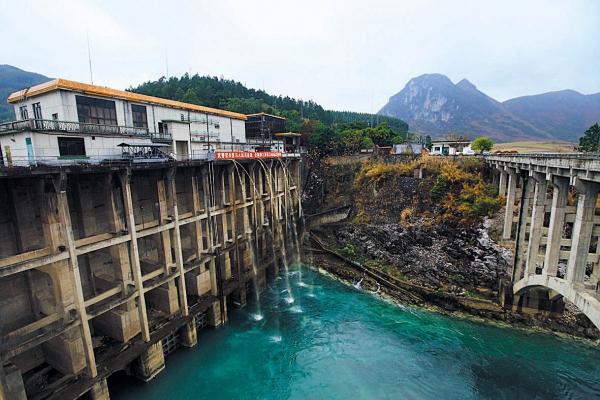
x,y
466,85
433,105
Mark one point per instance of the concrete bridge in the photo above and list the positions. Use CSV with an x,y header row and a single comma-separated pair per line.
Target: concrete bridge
x,y
552,219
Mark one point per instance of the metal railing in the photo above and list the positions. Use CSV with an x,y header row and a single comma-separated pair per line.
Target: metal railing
x,y
8,162
80,127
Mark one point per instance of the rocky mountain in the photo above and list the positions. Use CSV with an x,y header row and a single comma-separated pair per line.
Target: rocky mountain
x,y
433,105
11,80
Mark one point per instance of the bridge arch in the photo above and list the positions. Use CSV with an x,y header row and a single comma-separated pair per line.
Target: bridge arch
x,y
585,300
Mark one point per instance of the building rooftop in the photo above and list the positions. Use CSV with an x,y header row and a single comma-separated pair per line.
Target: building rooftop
x,y
57,84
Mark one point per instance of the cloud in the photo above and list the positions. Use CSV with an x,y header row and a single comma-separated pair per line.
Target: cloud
x,y
342,54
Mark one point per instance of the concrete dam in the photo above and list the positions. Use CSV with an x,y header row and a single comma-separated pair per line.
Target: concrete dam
x,y
112,266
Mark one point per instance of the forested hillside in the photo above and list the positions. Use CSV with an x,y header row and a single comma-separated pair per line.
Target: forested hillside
x,y
329,131
13,79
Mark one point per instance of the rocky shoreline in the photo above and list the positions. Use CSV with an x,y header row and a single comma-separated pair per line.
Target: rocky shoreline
x,y
434,266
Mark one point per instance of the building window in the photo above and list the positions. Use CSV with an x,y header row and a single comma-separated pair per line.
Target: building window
x,y
96,111
140,120
163,127
37,111
55,117
24,113
71,146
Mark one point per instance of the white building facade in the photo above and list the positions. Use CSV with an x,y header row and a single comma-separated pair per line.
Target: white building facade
x,y
61,121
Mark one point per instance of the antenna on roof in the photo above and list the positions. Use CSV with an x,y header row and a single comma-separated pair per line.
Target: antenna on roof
x,y
87,34
167,61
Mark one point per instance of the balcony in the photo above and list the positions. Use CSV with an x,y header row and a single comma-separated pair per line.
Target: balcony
x,y
45,125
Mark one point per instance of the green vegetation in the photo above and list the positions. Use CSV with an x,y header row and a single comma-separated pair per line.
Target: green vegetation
x,y
325,131
482,144
439,188
428,142
590,141
349,251
12,80
386,192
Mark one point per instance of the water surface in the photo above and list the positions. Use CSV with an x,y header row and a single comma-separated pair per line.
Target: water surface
x,y
333,341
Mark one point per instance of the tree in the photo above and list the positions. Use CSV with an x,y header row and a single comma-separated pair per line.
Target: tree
x,y
428,142
590,141
397,140
482,144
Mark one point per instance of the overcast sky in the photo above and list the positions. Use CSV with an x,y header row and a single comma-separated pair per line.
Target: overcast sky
x,y
343,54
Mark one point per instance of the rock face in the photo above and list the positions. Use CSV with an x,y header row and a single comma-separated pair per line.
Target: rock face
x,y
433,257
432,104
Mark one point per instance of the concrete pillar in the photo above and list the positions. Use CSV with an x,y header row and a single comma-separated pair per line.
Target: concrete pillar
x,y
214,289
537,221
53,235
502,183
177,243
521,245
196,227
560,194
164,245
214,315
65,350
188,334
582,229
125,179
11,383
510,204
150,363
239,296
100,391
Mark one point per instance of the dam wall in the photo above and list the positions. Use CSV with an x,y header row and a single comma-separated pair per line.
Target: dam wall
x,y
111,267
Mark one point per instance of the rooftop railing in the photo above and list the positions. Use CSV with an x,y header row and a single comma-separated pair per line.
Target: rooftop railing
x,y
47,125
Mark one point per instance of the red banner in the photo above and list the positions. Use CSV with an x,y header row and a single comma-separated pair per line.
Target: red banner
x,y
228,155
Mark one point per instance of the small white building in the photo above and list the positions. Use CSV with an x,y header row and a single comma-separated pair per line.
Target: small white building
x,y
64,120
449,147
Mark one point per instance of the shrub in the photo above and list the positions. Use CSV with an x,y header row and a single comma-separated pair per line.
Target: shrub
x,y
440,187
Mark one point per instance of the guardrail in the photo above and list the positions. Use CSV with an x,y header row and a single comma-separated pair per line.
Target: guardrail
x,y
80,127
573,155
11,162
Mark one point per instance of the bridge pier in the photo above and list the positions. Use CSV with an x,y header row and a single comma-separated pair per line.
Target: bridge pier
x,y
560,195
582,229
510,203
571,235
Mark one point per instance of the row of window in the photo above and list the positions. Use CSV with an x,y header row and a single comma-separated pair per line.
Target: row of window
x,y
94,111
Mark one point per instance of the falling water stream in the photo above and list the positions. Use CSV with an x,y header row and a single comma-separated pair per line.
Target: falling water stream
x,y
258,316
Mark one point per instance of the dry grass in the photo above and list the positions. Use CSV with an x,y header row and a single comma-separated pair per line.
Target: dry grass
x,y
548,146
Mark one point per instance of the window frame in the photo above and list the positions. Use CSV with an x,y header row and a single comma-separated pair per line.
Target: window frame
x,y
23,112
71,147
37,111
139,116
96,111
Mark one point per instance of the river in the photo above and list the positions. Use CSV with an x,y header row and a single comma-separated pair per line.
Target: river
x,y
337,342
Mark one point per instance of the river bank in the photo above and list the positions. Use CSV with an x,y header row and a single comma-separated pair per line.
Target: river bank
x,y
397,264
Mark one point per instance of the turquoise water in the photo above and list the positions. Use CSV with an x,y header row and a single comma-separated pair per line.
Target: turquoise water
x,y
336,342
